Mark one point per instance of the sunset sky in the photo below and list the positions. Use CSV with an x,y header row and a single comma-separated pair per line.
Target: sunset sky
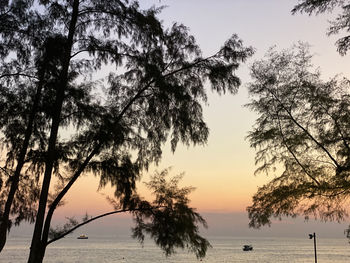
x,y
223,170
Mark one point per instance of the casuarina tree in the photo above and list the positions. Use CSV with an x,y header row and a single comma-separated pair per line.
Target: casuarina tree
x,y
302,129
112,86
302,133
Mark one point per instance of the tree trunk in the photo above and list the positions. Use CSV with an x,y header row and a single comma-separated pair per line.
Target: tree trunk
x,y
38,245
37,255
16,176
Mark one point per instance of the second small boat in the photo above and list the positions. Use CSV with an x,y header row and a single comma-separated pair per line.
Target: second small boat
x,y
247,248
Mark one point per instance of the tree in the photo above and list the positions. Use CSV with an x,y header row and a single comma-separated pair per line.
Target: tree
x,y
303,126
339,24
113,127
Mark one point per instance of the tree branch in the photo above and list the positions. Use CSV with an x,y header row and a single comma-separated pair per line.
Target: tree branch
x,y
65,190
107,50
18,74
6,172
6,12
100,216
292,153
304,129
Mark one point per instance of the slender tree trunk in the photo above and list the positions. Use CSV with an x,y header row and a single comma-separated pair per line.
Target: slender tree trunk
x,y
16,176
37,248
38,245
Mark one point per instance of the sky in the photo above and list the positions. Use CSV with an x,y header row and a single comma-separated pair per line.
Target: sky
x,y
223,170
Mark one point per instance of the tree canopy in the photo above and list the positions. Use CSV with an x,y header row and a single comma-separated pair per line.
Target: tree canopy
x,y
303,126
97,87
302,129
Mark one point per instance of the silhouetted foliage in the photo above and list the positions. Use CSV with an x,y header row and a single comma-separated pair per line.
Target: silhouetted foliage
x,y
174,224
21,125
338,25
168,219
98,87
303,126
58,231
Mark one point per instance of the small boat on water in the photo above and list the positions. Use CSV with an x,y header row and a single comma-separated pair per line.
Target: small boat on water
x,y
247,248
82,237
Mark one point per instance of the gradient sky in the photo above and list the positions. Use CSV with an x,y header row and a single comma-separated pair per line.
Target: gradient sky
x,y
222,171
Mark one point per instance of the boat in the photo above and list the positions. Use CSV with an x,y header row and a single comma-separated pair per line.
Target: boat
x,y
82,237
247,248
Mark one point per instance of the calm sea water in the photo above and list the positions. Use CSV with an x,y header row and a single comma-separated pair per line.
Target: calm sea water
x,y
114,249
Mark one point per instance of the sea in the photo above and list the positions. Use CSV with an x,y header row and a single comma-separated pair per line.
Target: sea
x,y
107,249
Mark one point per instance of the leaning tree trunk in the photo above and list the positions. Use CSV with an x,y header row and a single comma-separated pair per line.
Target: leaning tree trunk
x,y
16,176
38,245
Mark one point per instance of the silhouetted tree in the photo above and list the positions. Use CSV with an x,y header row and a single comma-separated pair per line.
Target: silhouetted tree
x,y
113,127
339,24
303,131
21,82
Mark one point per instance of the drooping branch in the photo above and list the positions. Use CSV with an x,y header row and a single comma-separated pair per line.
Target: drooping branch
x,y
100,216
